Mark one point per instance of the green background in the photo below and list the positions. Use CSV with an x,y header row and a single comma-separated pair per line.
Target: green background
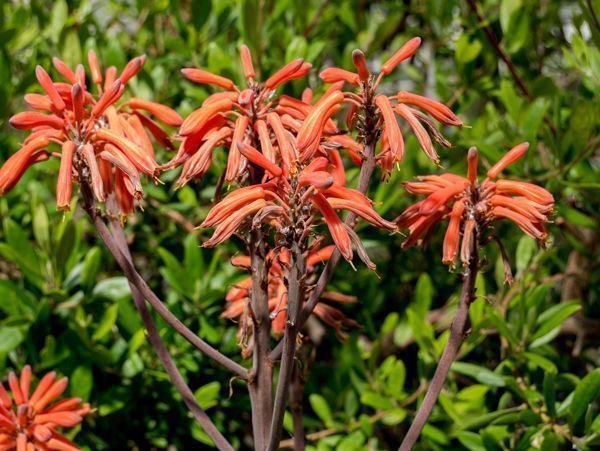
x,y
527,376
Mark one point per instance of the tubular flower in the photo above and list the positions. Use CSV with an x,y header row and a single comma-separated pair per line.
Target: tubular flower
x,y
293,206
28,420
273,126
472,206
369,108
108,145
238,298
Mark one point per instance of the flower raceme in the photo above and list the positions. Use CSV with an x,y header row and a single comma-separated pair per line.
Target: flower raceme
x,y
472,206
238,298
293,205
277,126
110,145
29,420
417,111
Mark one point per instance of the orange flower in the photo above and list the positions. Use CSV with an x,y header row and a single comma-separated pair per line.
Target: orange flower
x,y
107,144
281,129
472,206
294,205
238,298
368,107
30,421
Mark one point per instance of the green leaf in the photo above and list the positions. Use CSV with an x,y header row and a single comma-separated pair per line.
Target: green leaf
x,y
65,246
423,295
208,395
10,338
577,217
549,389
41,229
81,382
109,318
250,25
471,441
200,13
91,266
114,288
479,373
554,317
525,252
466,51
58,19
585,393
320,407
507,11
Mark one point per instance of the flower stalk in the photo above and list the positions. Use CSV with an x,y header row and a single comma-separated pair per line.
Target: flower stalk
x,y
458,333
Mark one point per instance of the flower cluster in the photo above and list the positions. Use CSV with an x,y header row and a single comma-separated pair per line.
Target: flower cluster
x,y
369,109
29,421
284,150
472,206
236,115
238,298
108,145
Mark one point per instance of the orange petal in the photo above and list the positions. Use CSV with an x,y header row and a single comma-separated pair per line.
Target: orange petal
x,y
132,68
94,67
452,237
265,139
258,159
234,156
509,158
436,109
57,389
473,161
405,52
204,77
391,127
247,61
468,241
64,185
46,82
31,119
360,62
14,168
335,225
64,70
420,132
138,156
441,197
163,113
196,120
284,74
97,183
78,100
529,190
334,74
110,96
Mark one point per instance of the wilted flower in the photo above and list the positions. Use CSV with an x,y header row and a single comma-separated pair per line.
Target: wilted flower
x,y
28,421
108,145
472,206
238,297
379,107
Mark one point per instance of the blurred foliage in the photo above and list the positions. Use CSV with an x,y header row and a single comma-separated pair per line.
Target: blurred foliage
x,y
528,374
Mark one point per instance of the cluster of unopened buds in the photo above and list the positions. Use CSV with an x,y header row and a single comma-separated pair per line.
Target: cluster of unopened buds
x,y
29,421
